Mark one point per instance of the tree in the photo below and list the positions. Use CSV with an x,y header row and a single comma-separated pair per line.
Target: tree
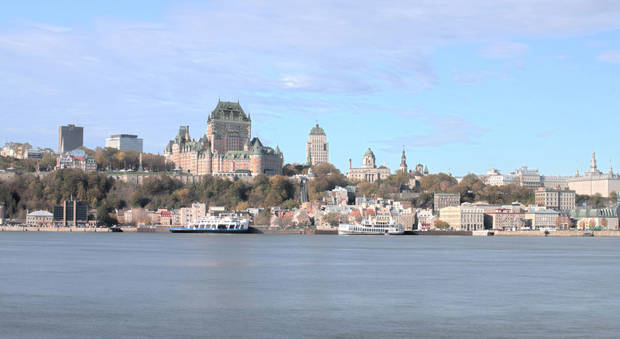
x,y
333,218
442,225
437,182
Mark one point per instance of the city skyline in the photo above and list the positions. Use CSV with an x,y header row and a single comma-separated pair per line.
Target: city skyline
x,y
494,88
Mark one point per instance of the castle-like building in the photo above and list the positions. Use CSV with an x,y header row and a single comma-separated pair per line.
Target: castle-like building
x,y
227,147
317,148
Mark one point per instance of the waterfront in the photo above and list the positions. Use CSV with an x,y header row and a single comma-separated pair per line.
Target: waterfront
x,y
56,285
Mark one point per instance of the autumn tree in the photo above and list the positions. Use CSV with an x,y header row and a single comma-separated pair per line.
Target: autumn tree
x,y
442,225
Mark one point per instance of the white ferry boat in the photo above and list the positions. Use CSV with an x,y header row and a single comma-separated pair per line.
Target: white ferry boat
x,y
371,227
212,224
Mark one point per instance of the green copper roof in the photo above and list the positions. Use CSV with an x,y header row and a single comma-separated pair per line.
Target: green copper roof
x,y
316,130
226,110
369,153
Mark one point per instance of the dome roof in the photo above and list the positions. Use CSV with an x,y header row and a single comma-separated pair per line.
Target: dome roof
x,y
369,153
316,130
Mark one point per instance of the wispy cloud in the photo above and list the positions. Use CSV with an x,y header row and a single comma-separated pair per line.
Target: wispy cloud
x,y
302,57
440,130
505,50
610,57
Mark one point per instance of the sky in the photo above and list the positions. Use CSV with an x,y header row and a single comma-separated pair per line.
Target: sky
x,y
463,86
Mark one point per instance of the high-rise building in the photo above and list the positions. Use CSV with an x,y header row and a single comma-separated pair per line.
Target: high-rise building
x,y
70,137
2,213
124,142
317,148
71,213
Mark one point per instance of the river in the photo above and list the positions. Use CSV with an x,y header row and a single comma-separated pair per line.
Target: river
x,y
115,285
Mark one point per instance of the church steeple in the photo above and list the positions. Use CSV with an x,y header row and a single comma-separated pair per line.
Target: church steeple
x,y
403,162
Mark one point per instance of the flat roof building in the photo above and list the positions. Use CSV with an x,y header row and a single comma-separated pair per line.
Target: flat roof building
x,y
124,142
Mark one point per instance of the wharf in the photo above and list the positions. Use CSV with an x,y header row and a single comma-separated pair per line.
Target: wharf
x,y
62,229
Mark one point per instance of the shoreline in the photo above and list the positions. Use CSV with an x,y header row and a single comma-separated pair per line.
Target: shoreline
x,y
311,231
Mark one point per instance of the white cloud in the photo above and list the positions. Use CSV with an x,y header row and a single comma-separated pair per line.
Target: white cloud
x,y
505,50
610,57
175,66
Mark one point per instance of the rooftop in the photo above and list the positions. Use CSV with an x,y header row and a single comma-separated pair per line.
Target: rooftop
x,y
227,110
40,214
316,130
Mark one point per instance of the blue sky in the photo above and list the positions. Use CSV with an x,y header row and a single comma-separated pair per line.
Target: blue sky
x,y
464,85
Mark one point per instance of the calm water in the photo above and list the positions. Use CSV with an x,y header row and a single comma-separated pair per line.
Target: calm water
x,y
182,286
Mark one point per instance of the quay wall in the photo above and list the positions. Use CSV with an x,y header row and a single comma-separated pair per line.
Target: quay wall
x,y
53,229
615,233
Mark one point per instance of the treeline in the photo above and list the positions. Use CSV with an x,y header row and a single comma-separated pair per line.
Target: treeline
x,y
28,192
471,189
262,191
47,163
113,159
105,158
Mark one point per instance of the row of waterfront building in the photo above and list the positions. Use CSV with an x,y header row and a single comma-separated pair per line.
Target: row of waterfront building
x,y
591,182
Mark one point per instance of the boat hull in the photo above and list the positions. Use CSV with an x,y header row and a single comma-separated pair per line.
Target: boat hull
x,y
205,230
370,233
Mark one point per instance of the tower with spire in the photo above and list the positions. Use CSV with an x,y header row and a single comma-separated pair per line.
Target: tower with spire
x,y
593,168
403,162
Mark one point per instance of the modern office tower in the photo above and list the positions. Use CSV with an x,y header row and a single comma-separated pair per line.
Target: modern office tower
x,y
124,142
71,213
2,213
70,137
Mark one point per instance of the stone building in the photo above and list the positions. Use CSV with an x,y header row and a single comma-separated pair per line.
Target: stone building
x,y
317,148
369,170
541,219
594,181
505,219
441,200
40,218
15,150
463,218
559,200
225,148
